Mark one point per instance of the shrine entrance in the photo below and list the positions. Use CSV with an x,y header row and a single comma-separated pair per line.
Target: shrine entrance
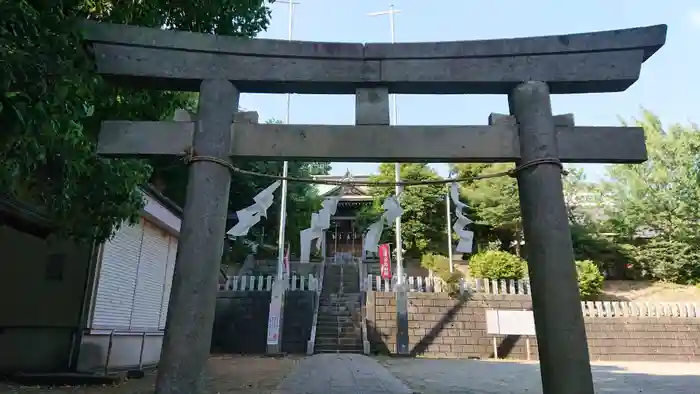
x,y
527,70
344,237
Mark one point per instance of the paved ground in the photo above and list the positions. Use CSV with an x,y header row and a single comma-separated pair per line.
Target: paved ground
x,y
232,374
427,376
341,374
355,374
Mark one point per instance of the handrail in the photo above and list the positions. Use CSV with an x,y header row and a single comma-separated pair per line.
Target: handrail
x,y
311,343
361,271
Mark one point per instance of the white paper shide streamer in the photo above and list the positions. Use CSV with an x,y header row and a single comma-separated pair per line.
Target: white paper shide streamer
x,y
466,237
392,210
320,222
249,217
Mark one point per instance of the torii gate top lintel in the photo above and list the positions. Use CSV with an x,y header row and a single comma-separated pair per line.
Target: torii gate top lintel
x,y
606,61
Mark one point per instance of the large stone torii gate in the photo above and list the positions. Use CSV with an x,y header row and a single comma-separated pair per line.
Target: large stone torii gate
x,y
528,70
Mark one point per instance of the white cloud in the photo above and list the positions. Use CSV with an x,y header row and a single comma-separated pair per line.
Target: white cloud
x,y
694,16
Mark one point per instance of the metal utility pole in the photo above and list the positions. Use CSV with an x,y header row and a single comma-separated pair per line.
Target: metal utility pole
x,y
397,167
449,230
285,166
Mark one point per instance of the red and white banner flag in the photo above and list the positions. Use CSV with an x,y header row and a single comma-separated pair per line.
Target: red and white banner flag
x,y
384,261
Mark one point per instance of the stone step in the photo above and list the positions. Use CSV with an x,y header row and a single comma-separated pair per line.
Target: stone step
x,y
338,306
341,296
336,320
343,325
334,301
336,317
338,348
327,341
334,326
355,333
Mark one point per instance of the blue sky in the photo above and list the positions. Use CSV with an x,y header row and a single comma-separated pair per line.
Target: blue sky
x,y
669,83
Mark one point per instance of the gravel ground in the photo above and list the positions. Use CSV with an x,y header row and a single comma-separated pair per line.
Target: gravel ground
x,y
230,374
428,376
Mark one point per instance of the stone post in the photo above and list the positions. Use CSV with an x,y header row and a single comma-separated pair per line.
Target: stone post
x,y
187,340
561,335
275,317
372,108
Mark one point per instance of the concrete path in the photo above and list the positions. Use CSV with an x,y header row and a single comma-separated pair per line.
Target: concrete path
x,y
427,376
341,374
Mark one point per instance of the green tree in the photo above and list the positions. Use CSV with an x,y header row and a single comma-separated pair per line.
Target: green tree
x,y
655,206
660,197
423,223
52,102
495,202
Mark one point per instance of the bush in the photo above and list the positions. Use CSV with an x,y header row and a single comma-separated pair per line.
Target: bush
x,y
495,264
435,262
590,280
440,265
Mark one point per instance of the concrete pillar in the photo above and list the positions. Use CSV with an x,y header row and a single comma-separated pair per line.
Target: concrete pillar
x,y
372,108
561,335
275,317
187,338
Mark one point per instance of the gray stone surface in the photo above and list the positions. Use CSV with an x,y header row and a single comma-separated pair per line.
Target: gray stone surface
x,y
372,106
188,332
341,374
376,143
578,63
556,303
500,377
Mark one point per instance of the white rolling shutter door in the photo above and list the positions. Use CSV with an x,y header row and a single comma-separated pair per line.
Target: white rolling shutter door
x,y
150,279
117,279
172,253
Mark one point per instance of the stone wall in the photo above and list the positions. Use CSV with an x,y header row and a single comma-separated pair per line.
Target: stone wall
x,y
298,318
440,326
240,325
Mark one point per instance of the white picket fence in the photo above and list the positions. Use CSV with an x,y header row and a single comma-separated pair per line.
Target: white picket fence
x,y
522,287
264,283
436,285
640,309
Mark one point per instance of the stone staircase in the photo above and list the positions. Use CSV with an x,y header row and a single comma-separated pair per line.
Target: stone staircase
x,y
338,328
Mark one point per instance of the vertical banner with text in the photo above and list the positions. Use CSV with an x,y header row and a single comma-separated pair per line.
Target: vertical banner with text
x,y
384,261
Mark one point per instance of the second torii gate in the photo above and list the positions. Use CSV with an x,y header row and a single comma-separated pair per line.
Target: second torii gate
x,y
528,70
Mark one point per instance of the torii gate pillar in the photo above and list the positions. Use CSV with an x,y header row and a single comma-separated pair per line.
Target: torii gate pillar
x,y
187,339
561,334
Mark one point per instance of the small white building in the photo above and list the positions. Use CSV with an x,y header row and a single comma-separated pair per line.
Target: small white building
x,y
81,308
129,298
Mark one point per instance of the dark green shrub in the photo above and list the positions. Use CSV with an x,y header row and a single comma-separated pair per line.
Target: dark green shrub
x,y
495,264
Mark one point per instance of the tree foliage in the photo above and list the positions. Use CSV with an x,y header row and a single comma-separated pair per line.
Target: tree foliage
x,y
590,280
52,102
654,207
423,223
496,204
660,197
495,201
